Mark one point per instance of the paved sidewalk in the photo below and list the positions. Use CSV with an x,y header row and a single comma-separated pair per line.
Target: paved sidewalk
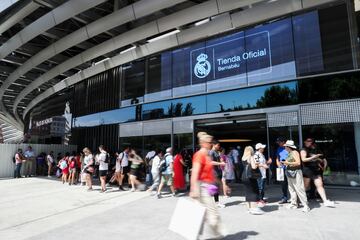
x,y
36,208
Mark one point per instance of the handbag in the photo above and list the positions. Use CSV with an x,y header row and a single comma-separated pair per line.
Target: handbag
x,y
291,173
280,174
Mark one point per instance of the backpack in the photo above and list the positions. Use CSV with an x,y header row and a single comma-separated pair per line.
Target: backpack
x,y
63,165
107,158
162,164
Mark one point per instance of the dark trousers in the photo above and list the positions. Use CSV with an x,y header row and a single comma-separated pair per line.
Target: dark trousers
x,y
284,188
261,185
17,170
238,169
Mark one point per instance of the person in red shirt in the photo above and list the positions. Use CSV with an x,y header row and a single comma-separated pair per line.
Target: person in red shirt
x,y
179,180
202,184
72,168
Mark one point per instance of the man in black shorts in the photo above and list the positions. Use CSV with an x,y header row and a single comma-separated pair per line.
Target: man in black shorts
x,y
312,159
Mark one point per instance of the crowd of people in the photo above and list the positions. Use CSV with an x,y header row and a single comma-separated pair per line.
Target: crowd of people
x,y
210,170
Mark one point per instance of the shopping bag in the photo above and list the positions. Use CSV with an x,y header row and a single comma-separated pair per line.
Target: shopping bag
x,y
187,218
280,174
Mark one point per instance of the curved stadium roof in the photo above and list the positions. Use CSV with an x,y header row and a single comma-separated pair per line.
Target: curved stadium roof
x,y
48,45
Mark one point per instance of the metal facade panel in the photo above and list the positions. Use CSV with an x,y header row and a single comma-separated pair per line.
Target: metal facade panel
x,y
189,15
184,126
131,129
157,127
283,119
331,112
8,151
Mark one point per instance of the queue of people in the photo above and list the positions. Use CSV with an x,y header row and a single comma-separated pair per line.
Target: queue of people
x,y
210,171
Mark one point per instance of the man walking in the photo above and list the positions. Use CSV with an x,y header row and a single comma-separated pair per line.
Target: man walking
x,y
168,174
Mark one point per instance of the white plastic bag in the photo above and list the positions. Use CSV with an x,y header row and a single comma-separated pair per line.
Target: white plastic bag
x,y
280,174
184,224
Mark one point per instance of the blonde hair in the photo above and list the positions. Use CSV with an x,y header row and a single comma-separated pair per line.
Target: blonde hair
x,y
248,152
204,137
86,150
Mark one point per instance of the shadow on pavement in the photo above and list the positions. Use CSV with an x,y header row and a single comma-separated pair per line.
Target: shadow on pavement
x,y
240,235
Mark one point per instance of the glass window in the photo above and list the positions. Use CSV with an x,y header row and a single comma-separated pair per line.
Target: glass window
x,y
159,73
118,116
308,50
134,80
183,141
339,144
270,53
335,38
87,121
327,88
174,108
255,97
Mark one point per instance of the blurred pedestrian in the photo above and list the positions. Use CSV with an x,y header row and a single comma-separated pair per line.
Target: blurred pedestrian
x,y
179,179
167,175
203,185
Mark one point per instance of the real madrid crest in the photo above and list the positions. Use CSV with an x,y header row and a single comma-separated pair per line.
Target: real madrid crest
x,y
202,67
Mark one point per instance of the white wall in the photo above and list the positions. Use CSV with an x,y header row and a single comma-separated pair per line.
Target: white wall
x,y
7,152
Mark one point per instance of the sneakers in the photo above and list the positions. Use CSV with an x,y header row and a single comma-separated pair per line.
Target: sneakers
x,y
133,190
329,204
291,206
283,201
121,188
220,205
49,176
260,204
256,211
158,195
305,209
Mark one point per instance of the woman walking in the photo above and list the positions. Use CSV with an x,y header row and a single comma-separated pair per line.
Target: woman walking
x,y
88,169
295,177
134,169
179,180
202,184
251,184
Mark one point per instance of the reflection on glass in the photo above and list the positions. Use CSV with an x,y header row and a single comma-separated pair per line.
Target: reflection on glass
x,y
87,121
338,143
335,87
256,97
118,116
134,80
174,108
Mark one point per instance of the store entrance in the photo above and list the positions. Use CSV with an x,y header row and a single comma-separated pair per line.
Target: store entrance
x,y
236,131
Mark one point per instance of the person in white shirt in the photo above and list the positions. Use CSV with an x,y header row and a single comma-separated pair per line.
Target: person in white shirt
x,y
50,162
30,158
88,169
155,170
124,166
263,166
148,161
103,161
